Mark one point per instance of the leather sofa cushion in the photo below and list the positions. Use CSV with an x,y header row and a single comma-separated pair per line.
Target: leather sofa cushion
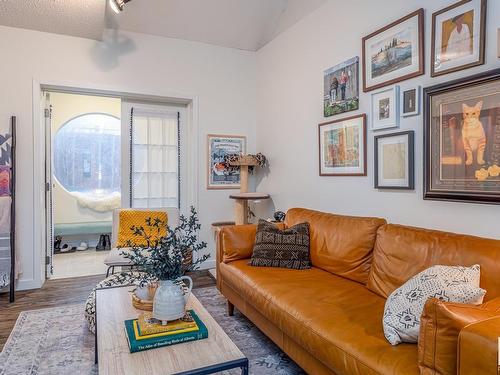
x,y
341,245
440,326
401,252
336,320
237,241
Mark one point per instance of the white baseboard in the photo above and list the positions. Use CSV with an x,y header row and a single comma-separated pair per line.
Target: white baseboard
x,y
208,264
28,284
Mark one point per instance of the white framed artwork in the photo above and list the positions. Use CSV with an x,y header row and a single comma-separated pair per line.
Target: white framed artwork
x,y
385,109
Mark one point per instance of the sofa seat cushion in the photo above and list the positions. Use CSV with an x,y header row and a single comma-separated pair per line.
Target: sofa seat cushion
x,y
336,320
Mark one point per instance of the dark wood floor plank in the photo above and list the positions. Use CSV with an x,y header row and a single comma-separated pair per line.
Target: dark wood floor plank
x,y
61,292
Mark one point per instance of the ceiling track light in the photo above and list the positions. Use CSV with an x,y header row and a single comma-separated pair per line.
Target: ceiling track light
x,y
118,5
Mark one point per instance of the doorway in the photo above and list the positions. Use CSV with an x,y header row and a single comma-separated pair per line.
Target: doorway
x,y
102,153
84,173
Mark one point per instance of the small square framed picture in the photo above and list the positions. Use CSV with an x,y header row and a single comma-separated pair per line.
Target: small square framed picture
x,y
385,109
410,102
394,161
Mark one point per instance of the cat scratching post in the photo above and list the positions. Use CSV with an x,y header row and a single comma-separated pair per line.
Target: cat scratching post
x,y
242,199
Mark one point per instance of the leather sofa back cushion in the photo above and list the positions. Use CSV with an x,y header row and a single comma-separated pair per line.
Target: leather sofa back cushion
x,y
339,244
401,252
238,242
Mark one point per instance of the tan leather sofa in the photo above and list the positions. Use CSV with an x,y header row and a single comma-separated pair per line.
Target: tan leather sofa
x,y
329,319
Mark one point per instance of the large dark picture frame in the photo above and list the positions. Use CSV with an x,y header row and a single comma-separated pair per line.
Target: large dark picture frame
x,y
462,140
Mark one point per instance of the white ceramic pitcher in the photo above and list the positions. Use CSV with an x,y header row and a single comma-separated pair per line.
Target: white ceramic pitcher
x,y
170,301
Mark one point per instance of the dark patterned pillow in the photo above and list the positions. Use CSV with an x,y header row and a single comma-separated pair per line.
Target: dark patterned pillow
x,y
288,248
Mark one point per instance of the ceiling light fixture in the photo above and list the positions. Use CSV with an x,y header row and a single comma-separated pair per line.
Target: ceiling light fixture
x,y
118,5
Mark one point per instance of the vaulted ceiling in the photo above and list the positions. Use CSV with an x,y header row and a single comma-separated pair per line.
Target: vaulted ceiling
x,y
243,24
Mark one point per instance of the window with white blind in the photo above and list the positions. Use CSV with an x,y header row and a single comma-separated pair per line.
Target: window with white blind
x,y
154,158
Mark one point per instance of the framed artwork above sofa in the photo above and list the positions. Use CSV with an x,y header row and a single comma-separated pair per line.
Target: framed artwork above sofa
x,y
342,147
394,53
462,140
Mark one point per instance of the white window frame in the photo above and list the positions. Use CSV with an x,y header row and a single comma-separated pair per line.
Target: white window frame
x,y
185,173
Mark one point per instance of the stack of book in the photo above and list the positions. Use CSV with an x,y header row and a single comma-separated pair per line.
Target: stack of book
x,y
146,333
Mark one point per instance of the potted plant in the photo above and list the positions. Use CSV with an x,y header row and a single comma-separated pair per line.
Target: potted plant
x,y
166,260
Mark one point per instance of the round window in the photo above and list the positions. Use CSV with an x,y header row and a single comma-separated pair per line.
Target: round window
x,y
87,154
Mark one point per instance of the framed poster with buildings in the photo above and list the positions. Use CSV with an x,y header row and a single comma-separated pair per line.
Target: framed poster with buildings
x,y
220,175
342,147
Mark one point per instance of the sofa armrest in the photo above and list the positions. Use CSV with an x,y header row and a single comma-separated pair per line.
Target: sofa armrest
x,y
440,326
492,305
478,348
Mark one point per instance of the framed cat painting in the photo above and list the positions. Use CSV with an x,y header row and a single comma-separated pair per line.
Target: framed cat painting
x,y
462,140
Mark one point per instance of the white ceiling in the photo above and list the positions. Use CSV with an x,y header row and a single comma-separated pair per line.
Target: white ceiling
x,y
83,18
243,24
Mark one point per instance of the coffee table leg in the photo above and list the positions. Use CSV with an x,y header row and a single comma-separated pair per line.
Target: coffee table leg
x,y
244,369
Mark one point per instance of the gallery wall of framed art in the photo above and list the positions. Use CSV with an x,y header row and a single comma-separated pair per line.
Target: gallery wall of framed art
x,y
293,104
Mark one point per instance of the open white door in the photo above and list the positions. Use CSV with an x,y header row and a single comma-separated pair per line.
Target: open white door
x,y
49,225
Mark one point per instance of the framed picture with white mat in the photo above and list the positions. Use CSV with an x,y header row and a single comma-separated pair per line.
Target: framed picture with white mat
x,y
394,161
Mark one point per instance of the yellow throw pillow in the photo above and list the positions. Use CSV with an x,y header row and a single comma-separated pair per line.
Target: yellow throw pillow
x,y
130,218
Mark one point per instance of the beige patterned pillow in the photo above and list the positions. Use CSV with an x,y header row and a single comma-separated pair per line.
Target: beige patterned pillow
x,y
288,248
404,306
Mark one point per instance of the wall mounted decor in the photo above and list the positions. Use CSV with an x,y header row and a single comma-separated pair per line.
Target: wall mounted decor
x,y
498,43
458,37
462,139
410,101
385,108
394,53
341,88
394,161
342,147
9,263
219,176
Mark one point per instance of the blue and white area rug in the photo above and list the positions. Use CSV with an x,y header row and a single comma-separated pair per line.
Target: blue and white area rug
x,y
56,341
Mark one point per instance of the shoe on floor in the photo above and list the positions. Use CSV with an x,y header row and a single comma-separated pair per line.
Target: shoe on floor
x,y
83,246
65,248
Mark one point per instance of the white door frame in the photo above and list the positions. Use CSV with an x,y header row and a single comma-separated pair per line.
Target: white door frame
x,y
191,145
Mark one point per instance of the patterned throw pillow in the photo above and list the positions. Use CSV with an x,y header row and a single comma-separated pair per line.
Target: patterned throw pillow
x,y
405,305
288,248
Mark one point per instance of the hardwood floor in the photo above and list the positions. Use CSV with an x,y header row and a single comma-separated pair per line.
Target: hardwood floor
x,y
60,292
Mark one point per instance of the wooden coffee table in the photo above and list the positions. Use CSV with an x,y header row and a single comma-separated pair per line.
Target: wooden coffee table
x,y
217,353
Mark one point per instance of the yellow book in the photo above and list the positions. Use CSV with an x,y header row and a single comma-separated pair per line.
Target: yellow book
x,y
162,334
147,325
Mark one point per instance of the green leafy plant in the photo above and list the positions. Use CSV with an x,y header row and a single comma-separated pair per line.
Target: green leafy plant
x,y
168,257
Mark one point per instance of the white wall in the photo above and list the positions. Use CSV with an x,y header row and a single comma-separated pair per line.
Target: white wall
x,y
64,108
290,106
222,79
